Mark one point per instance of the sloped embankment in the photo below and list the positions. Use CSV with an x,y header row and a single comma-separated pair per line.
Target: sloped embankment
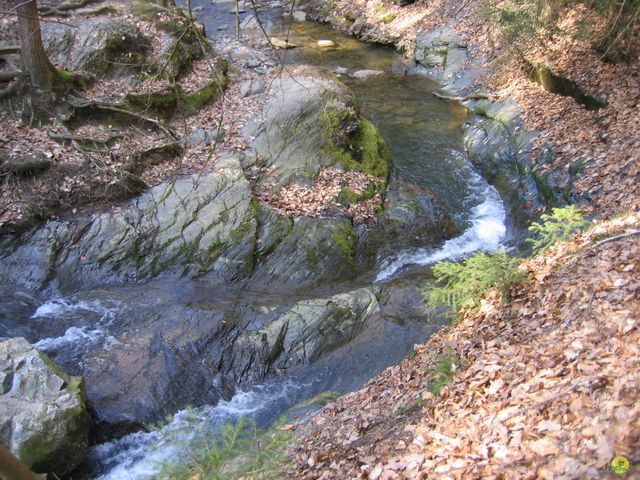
x,y
546,386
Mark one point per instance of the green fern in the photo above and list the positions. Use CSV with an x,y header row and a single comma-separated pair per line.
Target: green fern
x,y
560,225
239,450
464,284
443,371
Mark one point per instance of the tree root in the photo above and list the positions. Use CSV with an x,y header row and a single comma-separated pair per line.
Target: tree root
x,y
6,77
80,104
12,89
9,49
68,138
62,10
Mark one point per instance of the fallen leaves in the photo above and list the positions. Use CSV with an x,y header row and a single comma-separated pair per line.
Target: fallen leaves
x,y
321,198
552,397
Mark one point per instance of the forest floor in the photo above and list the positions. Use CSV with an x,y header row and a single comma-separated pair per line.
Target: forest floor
x,y
544,386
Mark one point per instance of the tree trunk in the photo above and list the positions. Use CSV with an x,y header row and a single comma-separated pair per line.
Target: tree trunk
x,y
41,72
13,469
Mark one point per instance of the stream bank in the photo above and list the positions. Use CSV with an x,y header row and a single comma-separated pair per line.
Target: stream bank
x,y
496,139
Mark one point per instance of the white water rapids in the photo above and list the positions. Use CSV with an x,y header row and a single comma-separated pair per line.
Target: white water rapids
x,y
141,455
486,232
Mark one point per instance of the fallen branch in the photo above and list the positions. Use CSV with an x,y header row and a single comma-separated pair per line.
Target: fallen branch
x,y
471,96
9,49
618,237
9,76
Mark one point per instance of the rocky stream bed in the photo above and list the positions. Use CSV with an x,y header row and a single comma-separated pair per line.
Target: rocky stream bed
x,y
197,293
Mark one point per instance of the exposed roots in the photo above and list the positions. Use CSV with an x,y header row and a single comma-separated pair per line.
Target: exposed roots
x,y
63,9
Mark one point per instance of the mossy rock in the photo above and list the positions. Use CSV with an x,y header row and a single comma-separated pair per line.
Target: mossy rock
x,y
314,251
345,238
172,99
348,196
47,416
365,149
312,122
193,102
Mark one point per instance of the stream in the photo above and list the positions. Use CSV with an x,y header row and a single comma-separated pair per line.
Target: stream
x,y
86,329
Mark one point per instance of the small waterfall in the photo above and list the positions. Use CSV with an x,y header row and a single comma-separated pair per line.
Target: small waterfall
x,y
486,232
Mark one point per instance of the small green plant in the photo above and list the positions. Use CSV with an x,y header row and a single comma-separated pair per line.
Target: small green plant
x,y
442,371
464,284
347,196
239,450
560,225
388,17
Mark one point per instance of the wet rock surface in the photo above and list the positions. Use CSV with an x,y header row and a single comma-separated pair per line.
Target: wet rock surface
x,y
188,227
43,419
307,115
312,251
502,149
150,362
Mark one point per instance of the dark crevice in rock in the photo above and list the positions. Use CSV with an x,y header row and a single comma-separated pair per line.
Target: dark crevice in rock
x,y
560,85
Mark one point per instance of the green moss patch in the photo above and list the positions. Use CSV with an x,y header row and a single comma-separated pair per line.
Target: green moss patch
x,y
172,99
345,239
388,17
365,149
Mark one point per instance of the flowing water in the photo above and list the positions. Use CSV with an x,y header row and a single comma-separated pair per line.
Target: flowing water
x,y
424,137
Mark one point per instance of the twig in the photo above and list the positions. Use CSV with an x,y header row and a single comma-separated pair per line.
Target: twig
x,y
630,233
9,49
471,96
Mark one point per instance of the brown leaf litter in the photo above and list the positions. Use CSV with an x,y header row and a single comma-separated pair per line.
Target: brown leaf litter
x,y
547,386
321,198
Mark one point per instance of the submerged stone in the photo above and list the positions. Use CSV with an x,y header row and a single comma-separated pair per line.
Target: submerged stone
x,y
325,43
366,73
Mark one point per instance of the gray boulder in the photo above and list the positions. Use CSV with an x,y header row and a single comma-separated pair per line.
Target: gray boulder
x,y
442,48
204,137
308,115
43,419
299,16
189,227
251,86
312,328
366,73
247,57
101,46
